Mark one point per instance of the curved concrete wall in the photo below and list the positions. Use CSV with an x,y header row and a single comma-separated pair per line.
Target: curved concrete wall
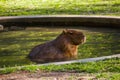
x,y
61,20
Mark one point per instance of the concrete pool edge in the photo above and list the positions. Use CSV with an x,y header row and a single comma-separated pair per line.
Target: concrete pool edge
x,y
61,20
72,61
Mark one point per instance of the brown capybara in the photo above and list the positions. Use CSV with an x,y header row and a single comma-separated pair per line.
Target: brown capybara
x,y
64,47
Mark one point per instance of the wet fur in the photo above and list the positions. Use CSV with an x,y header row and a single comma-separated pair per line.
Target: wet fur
x,y
64,47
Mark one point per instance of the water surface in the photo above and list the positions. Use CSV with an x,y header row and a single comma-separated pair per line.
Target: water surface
x,y
16,45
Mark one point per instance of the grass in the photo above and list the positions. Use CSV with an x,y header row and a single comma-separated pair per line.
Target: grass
x,y
62,7
90,67
109,76
16,45
106,69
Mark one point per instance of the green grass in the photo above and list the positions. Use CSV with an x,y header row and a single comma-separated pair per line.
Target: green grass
x,y
108,69
47,7
16,45
89,67
108,76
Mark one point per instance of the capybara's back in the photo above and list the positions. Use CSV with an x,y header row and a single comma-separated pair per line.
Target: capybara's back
x,y
64,47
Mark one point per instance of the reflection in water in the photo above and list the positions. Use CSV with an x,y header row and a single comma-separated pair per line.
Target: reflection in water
x,y
15,45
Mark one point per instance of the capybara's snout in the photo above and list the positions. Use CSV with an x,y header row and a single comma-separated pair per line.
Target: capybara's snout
x,y
83,38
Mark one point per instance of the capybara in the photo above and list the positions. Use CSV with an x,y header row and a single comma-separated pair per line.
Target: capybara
x,y
64,47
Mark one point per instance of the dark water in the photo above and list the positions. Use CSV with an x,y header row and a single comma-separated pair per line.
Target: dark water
x,y
16,45
100,41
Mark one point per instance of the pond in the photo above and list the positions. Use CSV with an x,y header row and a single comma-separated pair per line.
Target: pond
x,y
16,45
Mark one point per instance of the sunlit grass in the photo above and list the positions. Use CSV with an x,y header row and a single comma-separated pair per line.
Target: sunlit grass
x,y
108,69
47,7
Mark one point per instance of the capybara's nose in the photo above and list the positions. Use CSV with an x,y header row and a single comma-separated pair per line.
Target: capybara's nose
x,y
83,38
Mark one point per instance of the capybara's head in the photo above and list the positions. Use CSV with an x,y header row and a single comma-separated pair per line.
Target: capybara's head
x,y
75,37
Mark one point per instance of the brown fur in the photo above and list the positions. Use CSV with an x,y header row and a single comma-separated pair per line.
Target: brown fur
x,y
64,47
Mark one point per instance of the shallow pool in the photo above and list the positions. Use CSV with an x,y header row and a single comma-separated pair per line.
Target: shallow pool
x,y
15,45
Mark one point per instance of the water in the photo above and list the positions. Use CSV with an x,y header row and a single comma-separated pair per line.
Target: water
x,y
16,45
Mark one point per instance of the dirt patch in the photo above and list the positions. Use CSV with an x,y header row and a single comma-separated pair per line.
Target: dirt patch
x,y
47,76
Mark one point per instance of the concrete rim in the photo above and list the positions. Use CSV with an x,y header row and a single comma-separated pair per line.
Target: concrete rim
x,y
79,20
61,16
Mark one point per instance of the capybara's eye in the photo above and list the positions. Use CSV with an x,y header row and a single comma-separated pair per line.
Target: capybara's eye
x,y
71,33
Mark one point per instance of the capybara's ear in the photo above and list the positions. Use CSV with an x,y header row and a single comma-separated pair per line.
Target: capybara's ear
x,y
65,31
